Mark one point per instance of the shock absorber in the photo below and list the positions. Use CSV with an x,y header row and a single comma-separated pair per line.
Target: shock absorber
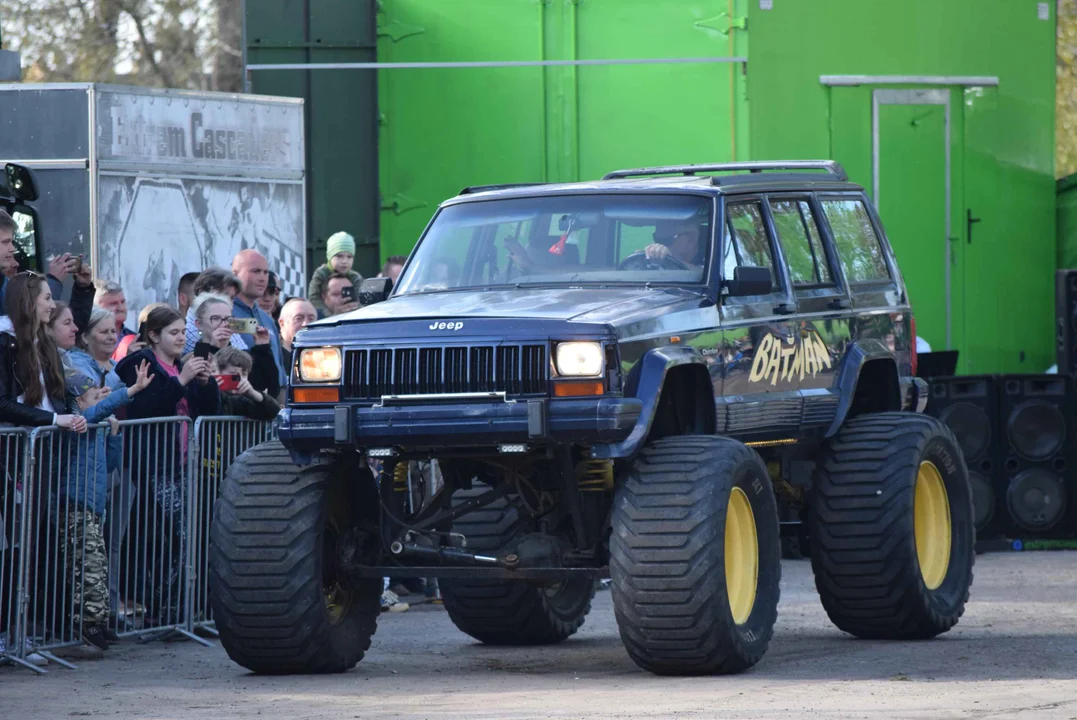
x,y
400,476
594,475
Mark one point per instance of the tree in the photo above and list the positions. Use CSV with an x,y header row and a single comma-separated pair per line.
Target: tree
x,y
193,44
1066,89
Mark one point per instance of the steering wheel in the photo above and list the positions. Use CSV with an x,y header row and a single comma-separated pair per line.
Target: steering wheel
x,y
640,261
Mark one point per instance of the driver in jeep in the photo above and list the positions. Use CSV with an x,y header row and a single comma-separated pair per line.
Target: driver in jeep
x,y
679,239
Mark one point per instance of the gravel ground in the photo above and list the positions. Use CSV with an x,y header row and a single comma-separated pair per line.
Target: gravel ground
x,y
1014,655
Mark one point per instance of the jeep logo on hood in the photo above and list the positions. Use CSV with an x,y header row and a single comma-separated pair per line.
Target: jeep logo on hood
x,y
446,325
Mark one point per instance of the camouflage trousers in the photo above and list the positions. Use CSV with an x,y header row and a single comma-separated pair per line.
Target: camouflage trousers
x,y
87,570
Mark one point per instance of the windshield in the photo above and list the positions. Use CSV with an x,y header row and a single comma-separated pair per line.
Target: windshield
x,y
564,240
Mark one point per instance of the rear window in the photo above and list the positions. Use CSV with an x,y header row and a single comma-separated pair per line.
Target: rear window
x,y
858,246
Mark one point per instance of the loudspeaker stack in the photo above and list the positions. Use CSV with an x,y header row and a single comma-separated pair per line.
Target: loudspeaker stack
x,y
1036,446
1017,435
969,407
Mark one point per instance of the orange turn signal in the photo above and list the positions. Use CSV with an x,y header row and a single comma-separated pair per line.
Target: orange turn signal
x,y
316,394
578,389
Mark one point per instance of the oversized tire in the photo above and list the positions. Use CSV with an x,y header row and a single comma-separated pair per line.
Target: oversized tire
x,y
280,602
695,557
892,529
510,612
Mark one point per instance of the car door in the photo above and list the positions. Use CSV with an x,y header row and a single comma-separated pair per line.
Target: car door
x,y
760,396
880,325
822,299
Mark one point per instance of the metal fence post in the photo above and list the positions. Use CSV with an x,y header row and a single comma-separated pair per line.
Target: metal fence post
x,y
38,494
193,539
18,594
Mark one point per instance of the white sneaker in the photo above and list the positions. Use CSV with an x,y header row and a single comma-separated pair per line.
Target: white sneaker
x,y
31,657
390,602
37,659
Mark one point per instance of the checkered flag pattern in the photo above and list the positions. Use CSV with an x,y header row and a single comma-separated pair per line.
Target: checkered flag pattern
x,y
288,265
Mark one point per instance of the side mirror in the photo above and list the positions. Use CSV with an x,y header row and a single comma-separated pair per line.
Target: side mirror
x,y
749,281
20,182
375,290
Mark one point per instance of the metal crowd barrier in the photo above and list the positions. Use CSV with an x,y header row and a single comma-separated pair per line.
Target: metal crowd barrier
x,y
136,557
14,446
220,440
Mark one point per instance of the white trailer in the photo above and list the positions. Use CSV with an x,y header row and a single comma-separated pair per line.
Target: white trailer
x,y
150,184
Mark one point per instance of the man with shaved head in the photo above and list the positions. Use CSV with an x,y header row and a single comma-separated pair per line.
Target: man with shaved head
x,y
296,314
252,269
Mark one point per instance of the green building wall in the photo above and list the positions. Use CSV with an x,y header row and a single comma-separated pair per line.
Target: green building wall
x,y
341,111
447,128
1001,149
951,153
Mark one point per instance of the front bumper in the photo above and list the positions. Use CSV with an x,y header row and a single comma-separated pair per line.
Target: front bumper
x,y
456,425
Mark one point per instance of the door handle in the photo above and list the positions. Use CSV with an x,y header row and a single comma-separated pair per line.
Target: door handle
x,y
784,309
970,222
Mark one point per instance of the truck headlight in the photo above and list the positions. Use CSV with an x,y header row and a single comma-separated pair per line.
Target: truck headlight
x,y
319,365
579,359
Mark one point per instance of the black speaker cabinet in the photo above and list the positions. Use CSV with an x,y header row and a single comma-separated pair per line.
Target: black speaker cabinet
x,y
1036,448
1066,320
968,405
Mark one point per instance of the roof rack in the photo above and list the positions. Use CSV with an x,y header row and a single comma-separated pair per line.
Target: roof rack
x,y
757,166
483,188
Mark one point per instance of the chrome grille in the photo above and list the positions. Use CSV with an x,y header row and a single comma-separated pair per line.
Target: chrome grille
x,y
511,369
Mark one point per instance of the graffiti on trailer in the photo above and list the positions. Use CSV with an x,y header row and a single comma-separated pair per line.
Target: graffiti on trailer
x,y
790,358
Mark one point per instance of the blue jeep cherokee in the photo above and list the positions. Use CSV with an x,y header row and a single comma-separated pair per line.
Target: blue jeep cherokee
x,y
650,378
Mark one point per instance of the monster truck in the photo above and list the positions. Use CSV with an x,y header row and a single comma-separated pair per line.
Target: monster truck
x,y
617,379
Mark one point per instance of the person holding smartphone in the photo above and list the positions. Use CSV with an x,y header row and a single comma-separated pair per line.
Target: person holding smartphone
x,y
217,326
238,396
339,296
152,451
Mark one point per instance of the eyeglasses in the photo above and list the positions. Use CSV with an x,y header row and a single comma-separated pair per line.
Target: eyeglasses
x,y
216,320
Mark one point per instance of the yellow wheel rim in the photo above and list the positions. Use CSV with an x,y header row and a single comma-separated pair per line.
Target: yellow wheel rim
x,y
741,556
931,524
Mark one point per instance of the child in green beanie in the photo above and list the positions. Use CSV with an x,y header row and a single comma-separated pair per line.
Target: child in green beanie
x,y
340,251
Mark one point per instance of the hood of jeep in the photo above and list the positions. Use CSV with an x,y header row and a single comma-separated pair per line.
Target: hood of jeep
x,y
606,306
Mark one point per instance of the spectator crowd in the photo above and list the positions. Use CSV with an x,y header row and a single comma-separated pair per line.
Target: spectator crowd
x,y
73,355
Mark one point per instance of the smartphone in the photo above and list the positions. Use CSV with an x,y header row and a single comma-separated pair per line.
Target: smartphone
x,y
228,382
203,350
348,293
243,326
78,265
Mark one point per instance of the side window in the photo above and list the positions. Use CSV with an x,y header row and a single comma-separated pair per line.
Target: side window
x,y
855,240
799,236
746,243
